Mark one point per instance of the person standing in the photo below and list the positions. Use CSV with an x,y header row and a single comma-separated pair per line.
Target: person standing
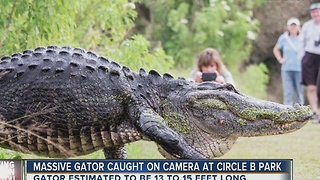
x,y
309,53
290,64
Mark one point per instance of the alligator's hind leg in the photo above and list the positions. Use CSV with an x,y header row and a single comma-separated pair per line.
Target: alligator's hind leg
x,y
118,152
154,127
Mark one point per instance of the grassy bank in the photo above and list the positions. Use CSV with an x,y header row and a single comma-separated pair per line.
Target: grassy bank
x,y
303,146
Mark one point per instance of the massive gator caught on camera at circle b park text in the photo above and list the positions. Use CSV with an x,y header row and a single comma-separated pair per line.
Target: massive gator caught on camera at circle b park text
x,y
64,102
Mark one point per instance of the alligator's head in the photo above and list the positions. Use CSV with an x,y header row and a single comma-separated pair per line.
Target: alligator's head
x,y
212,116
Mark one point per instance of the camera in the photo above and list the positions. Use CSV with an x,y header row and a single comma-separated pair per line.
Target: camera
x,y
209,76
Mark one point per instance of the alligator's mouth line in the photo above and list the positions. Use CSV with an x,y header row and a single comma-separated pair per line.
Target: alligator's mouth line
x,y
266,127
286,128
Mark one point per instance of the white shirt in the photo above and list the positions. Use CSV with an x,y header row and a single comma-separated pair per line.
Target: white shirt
x,y
309,38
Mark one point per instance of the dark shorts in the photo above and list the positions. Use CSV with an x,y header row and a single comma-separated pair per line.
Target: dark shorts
x,y
310,68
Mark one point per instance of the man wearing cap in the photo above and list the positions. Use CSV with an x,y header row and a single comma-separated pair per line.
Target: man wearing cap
x,y
309,53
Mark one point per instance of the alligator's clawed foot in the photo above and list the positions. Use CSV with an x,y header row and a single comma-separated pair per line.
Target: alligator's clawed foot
x,y
155,129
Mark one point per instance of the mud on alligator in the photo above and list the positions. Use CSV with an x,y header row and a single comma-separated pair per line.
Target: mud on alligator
x,y
64,101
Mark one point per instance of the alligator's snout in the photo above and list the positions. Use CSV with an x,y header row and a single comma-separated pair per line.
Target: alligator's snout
x,y
225,113
299,112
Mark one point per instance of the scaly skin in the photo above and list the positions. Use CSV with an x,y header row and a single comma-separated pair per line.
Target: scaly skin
x,y
64,102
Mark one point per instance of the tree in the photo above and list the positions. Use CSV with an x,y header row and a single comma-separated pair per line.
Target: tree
x,y
187,27
96,25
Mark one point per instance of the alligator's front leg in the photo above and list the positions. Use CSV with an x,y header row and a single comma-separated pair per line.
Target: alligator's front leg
x,y
154,127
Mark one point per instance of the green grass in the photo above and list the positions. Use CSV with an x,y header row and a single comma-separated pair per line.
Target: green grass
x,y
303,146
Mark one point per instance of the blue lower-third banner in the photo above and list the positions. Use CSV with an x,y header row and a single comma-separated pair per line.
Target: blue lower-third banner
x,y
158,169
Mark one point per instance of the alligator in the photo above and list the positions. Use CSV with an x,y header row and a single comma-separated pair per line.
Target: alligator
x,y
61,102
